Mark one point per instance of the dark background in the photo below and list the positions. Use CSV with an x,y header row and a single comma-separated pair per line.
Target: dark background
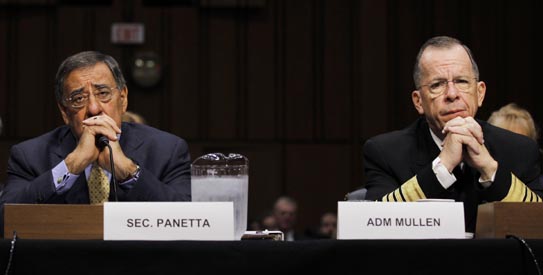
x,y
297,86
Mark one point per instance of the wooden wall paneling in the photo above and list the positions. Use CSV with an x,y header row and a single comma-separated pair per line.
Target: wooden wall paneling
x,y
33,88
104,17
279,8
242,85
262,89
535,12
318,176
319,44
223,73
371,78
373,60
519,67
355,86
445,18
299,71
406,31
499,62
75,30
5,92
25,3
337,76
183,72
166,59
4,67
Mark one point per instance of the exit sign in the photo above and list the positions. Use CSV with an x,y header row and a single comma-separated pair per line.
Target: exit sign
x,y
127,33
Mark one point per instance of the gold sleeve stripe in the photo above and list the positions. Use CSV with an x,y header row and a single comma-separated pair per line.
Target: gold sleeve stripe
x,y
397,195
409,191
401,194
519,192
388,197
394,195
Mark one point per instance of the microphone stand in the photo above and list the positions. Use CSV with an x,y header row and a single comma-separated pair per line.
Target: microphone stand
x,y
104,142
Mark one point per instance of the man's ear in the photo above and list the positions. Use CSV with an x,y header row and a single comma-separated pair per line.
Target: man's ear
x,y
481,92
63,113
417,101
124,98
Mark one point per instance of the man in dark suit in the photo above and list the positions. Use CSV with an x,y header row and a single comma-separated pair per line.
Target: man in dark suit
x,y
447,153
91,94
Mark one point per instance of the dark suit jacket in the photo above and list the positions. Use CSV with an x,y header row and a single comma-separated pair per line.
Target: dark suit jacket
x,y
393,158
163,158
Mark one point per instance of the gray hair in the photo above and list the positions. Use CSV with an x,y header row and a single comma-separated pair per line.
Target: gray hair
x,y
443,42
285,199
85,60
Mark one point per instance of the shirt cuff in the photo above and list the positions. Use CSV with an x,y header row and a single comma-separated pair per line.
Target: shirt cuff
x,y
445,178
63,180
487,183
129,184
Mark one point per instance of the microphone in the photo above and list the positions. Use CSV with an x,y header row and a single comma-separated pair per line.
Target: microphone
x,y
101,141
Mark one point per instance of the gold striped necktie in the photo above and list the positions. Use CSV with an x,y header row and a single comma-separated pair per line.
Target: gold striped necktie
x,y
98,185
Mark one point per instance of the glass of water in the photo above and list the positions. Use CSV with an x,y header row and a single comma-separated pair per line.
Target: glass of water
x,y
216,177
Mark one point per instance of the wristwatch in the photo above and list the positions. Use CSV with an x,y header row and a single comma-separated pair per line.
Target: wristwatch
x,y
136,173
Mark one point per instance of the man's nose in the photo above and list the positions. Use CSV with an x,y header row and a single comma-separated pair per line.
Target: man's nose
x,y
94,106
451,91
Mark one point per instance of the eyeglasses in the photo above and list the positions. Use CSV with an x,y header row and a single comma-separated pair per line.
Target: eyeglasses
x,y
438,87
80,99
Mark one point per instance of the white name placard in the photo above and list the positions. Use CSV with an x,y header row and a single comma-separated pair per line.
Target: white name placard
x,y
400,220
168,221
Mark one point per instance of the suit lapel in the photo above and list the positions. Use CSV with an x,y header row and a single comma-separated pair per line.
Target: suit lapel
x,y
488,138
131,140
427,149
66,144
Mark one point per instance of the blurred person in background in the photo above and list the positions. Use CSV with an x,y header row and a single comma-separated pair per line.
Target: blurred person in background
x,y
328,225
266,221
129,116
285,211
515,119
327,228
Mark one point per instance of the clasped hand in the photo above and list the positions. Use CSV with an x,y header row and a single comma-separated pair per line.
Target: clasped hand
x,y
464,141
87,152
